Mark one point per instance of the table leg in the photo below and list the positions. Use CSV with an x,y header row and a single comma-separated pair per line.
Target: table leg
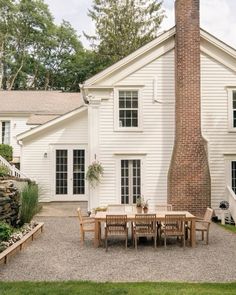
x,y
96,233
193,234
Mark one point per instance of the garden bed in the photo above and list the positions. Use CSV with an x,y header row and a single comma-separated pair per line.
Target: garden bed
x,y
16,244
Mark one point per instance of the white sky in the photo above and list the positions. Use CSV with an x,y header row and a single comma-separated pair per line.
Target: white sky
x,y
218,17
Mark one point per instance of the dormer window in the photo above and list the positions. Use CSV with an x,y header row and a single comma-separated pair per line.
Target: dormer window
x,y
128,110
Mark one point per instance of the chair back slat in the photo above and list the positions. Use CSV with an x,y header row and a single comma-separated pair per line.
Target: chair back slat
x,y
116,223
208,215
163,207
145,223
80,215
174,222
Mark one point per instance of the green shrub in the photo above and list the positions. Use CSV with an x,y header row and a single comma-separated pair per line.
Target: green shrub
x,y
29,203
5,231
4,171
6,152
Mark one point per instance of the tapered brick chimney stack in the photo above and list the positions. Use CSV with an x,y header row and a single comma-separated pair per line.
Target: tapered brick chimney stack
x,y
189,177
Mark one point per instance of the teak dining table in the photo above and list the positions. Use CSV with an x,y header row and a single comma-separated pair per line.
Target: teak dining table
x,y
100,217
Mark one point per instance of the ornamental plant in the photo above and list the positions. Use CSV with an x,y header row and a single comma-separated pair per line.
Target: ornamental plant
x,y
6,152
5,231
4,171
139,202
94,173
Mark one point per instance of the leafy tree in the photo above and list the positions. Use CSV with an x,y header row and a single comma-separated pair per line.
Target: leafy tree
x,y
122,26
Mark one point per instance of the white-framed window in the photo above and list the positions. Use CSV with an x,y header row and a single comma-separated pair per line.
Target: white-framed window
x,y
233,175
232,109
128,110
5,132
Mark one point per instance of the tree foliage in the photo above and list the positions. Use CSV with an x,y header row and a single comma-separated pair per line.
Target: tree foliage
x,y
122,26
35,53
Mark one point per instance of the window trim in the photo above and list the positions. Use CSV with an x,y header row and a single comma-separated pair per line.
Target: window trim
x,y
231,127
6,121
117,127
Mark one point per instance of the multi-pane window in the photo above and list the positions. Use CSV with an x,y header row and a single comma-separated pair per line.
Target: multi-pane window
x,y
128,109
5,132
61,172
78,172
130,181
234,108
233,175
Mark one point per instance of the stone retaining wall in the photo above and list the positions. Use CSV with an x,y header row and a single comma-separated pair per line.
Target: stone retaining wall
x,y
9,202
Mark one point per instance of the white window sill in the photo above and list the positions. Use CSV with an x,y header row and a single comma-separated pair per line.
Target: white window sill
x,y
130,130
232,130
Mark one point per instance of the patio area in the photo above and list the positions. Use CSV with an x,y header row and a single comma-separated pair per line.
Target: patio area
x,y
58,255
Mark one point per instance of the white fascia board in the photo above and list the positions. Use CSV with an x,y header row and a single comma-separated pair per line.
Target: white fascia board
x,y
50,123
218,43
163,37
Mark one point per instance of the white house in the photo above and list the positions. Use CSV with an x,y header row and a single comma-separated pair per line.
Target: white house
x,y
127,122
94,131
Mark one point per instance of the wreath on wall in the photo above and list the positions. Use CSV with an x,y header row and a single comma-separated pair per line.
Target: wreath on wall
x,y
94,173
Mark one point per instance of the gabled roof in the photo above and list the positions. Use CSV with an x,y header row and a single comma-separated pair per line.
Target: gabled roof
x,y
51,123
38,102
210,45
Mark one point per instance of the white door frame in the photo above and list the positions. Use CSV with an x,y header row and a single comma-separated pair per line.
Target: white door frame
x,y
69,196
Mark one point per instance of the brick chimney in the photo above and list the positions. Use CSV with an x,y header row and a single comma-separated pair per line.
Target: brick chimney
x,y
189,177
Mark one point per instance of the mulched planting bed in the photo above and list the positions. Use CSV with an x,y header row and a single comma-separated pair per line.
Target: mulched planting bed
x,y
19,239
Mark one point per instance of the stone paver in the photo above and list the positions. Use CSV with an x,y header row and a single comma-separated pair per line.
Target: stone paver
x,y
57,255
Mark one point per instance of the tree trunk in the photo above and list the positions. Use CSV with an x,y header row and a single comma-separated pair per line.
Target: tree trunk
x,y
47,79
12,81
1,65
32,85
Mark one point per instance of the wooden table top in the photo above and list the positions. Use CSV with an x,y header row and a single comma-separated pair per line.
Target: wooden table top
x,y
101,215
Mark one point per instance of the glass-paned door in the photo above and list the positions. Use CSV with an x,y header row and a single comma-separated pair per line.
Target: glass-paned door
x,y
130,181
78,172
61,172
70,173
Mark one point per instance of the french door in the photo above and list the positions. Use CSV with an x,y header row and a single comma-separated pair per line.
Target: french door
x,y
70,166
130,181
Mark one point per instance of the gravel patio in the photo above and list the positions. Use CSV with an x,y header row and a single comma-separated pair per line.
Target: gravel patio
x,y
57,255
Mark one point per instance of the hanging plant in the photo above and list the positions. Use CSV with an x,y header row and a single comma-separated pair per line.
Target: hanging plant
x,y
94,173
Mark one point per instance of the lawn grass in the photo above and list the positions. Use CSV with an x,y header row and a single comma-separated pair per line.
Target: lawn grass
x,y
90,288
229,227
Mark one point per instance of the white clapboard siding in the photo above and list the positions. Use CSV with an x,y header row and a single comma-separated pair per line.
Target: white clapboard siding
x,y
215,78
157,137
72,131
17,125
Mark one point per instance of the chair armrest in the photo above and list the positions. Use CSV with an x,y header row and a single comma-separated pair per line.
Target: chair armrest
x,y
203,221
92,220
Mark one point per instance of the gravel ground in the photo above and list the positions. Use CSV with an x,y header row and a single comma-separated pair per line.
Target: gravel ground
x,y
57,255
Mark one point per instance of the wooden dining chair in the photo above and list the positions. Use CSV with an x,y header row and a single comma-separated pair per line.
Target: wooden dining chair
x,y
86,225
174,226
158,208
144,226
116,208
116,225
163,207
203,224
